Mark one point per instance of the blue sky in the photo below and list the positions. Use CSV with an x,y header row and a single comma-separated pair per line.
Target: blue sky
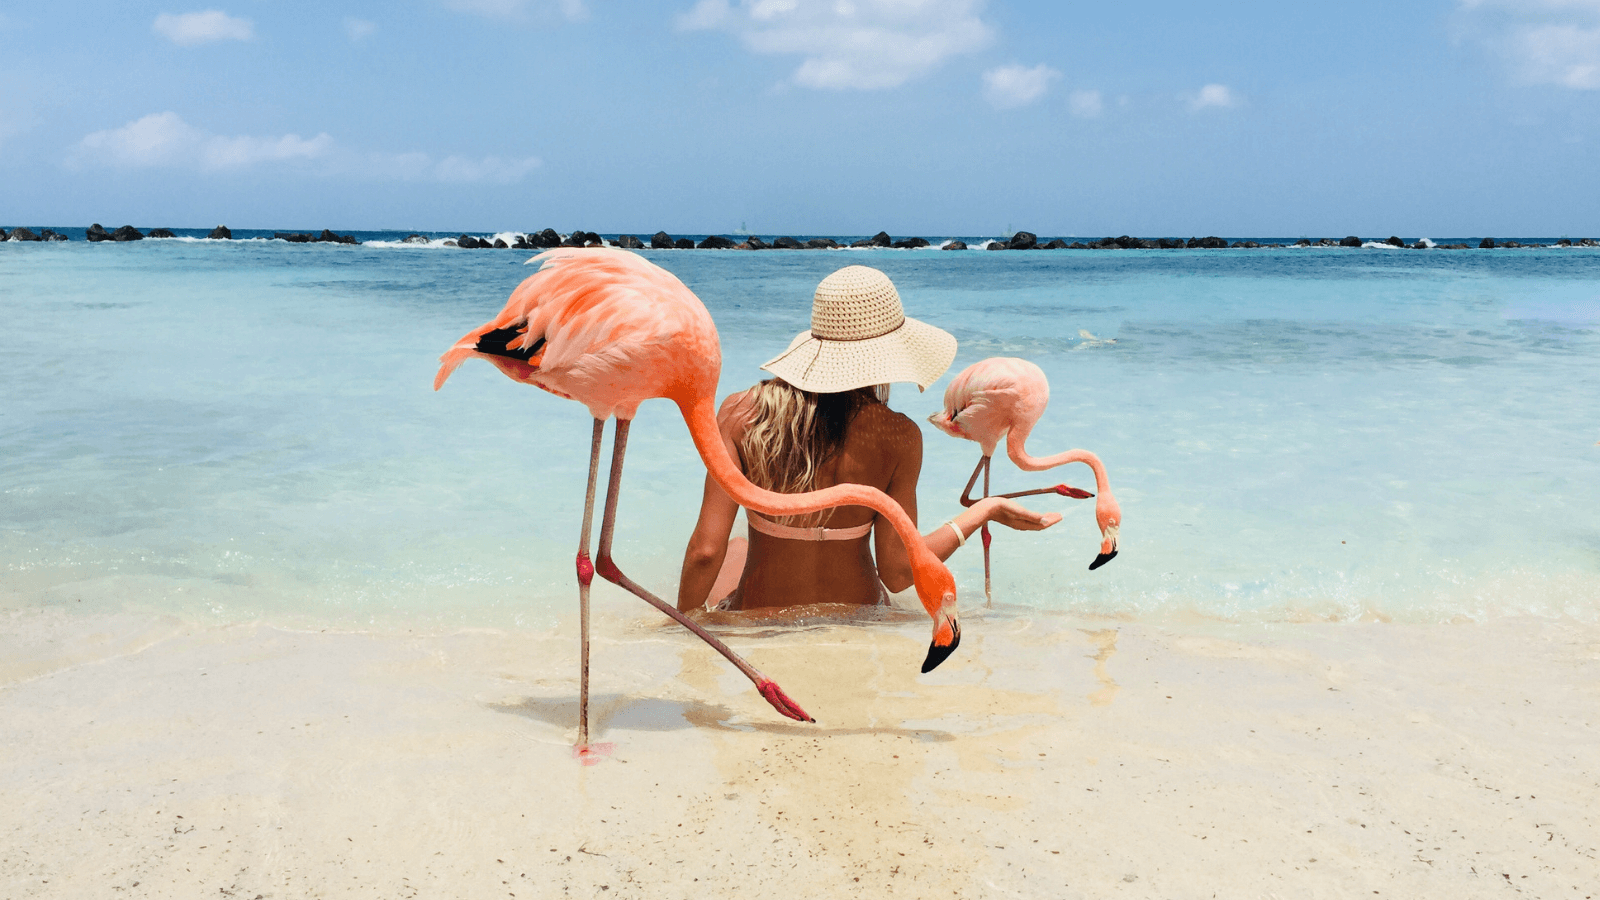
x,y
929,117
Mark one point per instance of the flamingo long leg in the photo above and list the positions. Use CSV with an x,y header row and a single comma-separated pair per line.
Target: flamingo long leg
x,y
988,596
609,571
1065,490
966,492
585,576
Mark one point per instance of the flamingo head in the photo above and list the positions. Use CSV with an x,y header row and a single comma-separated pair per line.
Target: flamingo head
x,y
1108,515
971,423
945,421
938,595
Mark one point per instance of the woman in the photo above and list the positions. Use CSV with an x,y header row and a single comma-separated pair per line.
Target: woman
x,y
823,421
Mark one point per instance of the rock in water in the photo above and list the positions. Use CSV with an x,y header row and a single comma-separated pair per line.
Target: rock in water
x,y
127,233
629,242
95,235
1351,241
220,233
786,243
881,239
661,241
822,244
955,245
161,233
683,244
414,239
1023,240
1486,244
23,234
716,242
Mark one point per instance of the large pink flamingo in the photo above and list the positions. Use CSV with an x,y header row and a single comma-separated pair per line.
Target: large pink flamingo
x,y
609,329
1004,397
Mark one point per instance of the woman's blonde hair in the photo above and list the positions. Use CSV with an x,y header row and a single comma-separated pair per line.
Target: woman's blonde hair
x,y
792,433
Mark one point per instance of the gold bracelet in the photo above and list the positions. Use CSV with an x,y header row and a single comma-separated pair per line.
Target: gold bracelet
x,y
961,539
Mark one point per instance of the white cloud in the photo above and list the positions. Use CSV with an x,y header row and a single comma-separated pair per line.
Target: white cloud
x,y
1553,42
218,152
165,140
1213,96
358,29
1011,86
850,44
189,29
489,169
417,166
1085,104
516,10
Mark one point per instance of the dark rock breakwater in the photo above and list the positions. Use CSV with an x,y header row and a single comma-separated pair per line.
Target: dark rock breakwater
x,y
1021,240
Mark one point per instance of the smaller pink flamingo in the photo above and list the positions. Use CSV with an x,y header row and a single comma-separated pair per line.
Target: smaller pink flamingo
x,y
1004,397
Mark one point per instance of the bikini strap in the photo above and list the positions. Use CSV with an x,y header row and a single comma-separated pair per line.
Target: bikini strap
x,y
789,532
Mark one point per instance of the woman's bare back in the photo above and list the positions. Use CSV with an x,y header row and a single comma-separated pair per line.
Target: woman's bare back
x,y
881,449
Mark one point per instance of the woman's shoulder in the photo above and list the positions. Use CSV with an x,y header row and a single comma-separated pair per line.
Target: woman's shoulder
x,y
736,406
733,417
880,422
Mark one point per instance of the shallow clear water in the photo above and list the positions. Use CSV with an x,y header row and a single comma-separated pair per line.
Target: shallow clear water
x,y
245,430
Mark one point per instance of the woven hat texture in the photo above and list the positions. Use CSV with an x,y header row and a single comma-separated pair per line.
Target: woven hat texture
x,y
860,336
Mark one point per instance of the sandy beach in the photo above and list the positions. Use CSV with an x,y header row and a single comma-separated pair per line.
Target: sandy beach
x,y
143,756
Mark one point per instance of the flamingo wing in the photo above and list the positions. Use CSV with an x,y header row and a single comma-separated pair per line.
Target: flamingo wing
x,y
601,326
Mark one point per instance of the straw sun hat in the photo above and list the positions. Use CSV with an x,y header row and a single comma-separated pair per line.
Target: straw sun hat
x,y
860,336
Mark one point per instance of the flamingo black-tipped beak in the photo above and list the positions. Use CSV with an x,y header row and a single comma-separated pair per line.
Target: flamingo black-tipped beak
x,y
938,654
1102,559
781,702
1067,490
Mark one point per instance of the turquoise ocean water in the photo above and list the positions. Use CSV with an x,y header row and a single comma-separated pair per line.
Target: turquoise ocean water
x,y
243,431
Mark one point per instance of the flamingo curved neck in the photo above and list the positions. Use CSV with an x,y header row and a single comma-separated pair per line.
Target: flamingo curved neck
x,y
700,415
1016,448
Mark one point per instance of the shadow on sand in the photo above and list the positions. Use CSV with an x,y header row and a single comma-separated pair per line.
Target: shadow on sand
x,y
608,712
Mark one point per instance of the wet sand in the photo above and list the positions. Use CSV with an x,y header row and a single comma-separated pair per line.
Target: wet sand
x,y
142,756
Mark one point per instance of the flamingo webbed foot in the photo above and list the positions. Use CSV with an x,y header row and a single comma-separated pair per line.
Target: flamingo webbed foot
x,y
938,654
781,702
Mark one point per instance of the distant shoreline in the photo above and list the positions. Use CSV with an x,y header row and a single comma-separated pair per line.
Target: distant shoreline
x,y
549,238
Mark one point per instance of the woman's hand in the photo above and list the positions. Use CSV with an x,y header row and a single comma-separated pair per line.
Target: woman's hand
x,y
1000,510
1013,515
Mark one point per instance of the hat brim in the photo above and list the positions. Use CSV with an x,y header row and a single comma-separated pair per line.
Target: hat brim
x,y
916,352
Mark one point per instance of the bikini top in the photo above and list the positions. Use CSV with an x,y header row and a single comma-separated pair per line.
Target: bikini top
x,y
789,532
